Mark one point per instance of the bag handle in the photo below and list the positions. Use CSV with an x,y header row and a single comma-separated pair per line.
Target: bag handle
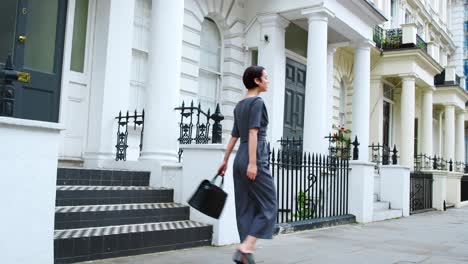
x,y
214,179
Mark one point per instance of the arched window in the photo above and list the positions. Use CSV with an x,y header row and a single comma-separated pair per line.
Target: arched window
x,y
342,102
209,79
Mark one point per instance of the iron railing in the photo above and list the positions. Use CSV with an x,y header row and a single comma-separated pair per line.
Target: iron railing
x,y
309,186
420,43
123,122
195,125
379,36
383,155
439,79
425,162
391,39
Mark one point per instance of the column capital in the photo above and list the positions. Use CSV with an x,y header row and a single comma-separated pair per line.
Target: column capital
x,y
318,13
428,89
273,20
408,77
449,105
363,44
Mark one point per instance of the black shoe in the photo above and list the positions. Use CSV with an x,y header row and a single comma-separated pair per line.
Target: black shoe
x,y
238,256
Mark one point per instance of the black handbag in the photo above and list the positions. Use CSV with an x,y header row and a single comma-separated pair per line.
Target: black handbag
x,y
209,198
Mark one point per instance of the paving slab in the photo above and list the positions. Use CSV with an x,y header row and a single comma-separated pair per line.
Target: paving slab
x,y
428,238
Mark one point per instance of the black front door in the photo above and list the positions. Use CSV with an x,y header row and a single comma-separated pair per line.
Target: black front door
x,y
294,99
33,32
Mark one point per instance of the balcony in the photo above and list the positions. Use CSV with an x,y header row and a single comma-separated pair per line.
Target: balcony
x,y
398,38
447,77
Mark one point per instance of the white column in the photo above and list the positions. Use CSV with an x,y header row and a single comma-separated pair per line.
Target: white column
x,y
427,133
110,82
376,110
315,114
162,94
271,55
460,137
361,97
407,121
449,140
330,77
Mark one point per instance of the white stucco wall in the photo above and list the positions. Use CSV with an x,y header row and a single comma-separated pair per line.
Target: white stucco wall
x,y
29,168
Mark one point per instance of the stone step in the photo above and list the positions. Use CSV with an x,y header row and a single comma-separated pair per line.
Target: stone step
x,y
69,217
380,215
96,195
449,205
381,205
97,177
75,245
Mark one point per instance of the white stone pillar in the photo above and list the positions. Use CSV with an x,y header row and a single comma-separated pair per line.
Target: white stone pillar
x,y
427,130
271,55
315,114
460,137
361,97
449,139
376,110
162,94
407,121
330,76
111,73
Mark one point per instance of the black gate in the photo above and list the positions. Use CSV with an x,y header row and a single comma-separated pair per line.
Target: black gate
x,y
420,191
309,186
464,188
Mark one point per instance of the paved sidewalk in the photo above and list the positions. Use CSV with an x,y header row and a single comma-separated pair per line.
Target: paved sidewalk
x,y
434,237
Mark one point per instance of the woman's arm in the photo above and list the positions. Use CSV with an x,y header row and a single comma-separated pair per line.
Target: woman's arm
x,y
229,148
252,168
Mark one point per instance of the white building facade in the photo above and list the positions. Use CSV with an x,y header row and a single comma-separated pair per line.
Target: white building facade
x,y
391,71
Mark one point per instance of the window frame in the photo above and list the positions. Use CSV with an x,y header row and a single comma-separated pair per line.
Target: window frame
x,y
219,74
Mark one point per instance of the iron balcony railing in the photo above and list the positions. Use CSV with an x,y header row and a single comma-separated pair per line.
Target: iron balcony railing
x,y
392,39
440,79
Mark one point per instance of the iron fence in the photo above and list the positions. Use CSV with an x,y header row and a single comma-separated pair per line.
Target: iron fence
x,y
420,191
383,155
309,186
123,122
195,125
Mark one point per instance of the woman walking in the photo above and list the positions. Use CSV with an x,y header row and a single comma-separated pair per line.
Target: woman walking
x,y
255,194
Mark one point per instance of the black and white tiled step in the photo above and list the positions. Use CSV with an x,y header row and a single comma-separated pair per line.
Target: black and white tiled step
x,y
68,217
103,214
94,195
76,245
97,177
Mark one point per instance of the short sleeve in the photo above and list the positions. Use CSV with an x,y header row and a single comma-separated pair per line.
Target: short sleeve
x,y
235,129
256,113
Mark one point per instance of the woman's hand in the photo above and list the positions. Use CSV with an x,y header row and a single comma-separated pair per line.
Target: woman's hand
x,y
222,168
252,171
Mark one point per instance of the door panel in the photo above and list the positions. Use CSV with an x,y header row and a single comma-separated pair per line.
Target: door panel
x,y
41,32
41,24
294,99
8,13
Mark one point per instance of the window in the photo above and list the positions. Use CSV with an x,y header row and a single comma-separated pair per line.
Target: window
x,y
254,57
407,17
209,77
342,102
79,36
393,12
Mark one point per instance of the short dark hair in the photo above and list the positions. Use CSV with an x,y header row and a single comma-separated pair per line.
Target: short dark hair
x,y
250,74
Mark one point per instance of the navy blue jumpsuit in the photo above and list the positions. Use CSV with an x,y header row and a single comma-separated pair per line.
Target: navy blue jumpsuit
x,y
255,200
